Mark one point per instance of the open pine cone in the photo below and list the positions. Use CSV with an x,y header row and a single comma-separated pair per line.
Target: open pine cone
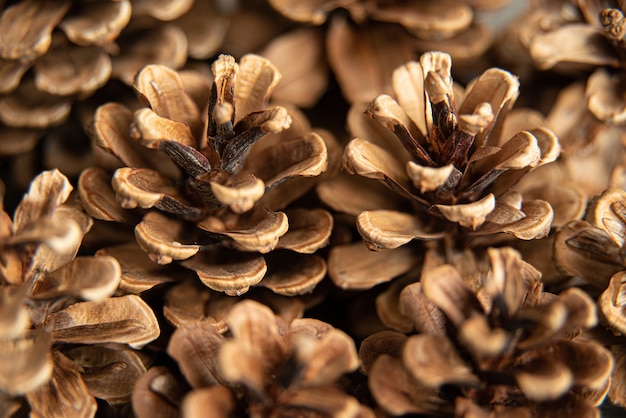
x,y
504,349
215,195
450,166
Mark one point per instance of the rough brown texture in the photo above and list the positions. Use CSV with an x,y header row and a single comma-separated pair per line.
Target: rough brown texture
x,y
312,208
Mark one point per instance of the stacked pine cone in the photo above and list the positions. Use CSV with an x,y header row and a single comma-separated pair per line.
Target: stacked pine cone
x,y
279,208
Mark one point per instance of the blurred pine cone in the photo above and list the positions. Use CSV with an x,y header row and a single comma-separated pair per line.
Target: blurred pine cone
x,y
62,332
582,39
365,43
503,349
262,366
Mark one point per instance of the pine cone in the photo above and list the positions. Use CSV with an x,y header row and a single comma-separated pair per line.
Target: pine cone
x,y
263,366
49,298
504,349
453,171
379,36
211,204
